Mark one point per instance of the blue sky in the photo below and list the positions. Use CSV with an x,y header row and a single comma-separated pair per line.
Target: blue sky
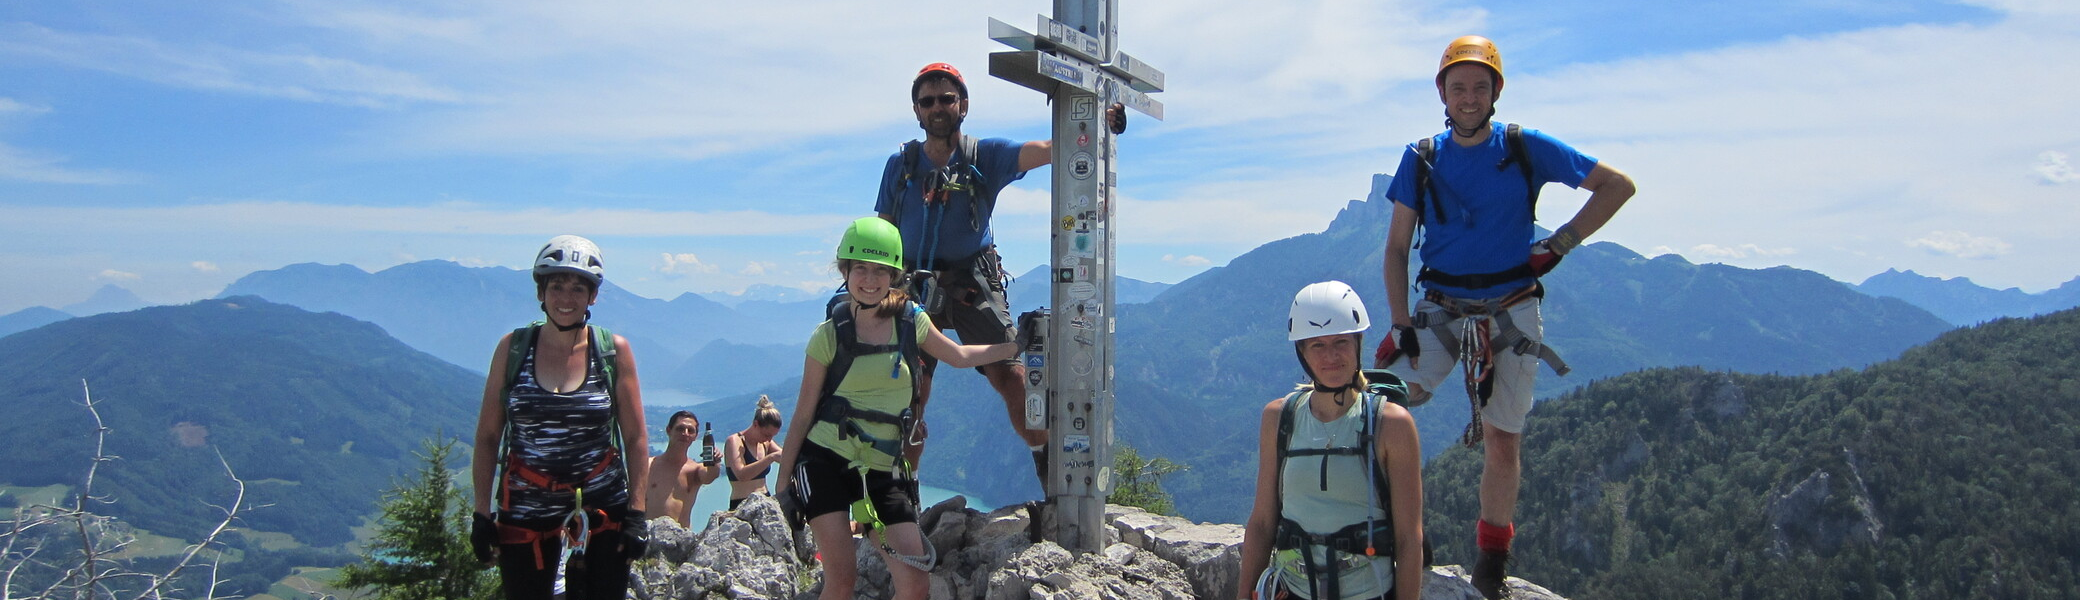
x,y
171,147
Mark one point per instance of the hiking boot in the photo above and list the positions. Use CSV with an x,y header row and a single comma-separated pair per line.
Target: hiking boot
x,y
1488,574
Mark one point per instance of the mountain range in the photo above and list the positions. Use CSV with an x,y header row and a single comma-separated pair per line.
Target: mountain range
x,y
1195,359
315,412
1949,472
1962,302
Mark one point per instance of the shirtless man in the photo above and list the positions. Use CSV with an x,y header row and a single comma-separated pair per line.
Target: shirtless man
x,y
674,479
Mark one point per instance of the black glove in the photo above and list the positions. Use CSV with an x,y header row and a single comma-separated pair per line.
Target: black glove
x,y
791,507
1116,118
635,534
483,536
1028,326
1401,341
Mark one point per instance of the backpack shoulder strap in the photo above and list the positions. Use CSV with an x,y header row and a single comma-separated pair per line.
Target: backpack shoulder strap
x,y
981,196
1426,153
604,349
517,346
908,160
847,334
906,342
1513,137
1285,438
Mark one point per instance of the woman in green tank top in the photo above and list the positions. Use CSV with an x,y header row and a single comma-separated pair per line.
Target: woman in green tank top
x,y
1337,516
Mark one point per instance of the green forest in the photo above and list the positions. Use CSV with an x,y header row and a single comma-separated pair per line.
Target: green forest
x,y
1949,472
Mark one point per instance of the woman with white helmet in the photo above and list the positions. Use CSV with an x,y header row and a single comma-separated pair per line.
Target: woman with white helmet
x,y
1339,500
846,444
561,415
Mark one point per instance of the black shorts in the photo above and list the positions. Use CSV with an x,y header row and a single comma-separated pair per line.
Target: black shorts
x,y
830,486
976,307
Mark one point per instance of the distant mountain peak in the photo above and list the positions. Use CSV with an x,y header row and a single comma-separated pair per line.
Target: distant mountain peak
x,y
109,298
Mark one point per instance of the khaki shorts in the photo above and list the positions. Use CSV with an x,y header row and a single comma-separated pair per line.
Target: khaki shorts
x,y
1514,373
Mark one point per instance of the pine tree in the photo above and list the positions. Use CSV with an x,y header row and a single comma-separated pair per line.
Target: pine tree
x,y
1139,483
421,550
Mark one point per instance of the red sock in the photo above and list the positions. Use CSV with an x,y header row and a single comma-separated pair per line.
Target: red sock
x,y
1494,538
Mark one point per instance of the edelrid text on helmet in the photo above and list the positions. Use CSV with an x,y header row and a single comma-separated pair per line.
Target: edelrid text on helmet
x,y
570,254
874,240
1475,49
939,70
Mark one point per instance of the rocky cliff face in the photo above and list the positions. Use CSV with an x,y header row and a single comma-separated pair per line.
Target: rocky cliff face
x,y
749,553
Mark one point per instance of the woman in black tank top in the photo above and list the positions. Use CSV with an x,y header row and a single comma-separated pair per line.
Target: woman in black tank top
x,y
749,454
560,444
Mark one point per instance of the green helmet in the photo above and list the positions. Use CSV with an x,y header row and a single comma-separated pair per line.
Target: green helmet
x,y
874,240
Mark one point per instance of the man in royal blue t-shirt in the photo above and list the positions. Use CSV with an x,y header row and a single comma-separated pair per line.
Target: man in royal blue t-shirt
x,y
940,193
1472,189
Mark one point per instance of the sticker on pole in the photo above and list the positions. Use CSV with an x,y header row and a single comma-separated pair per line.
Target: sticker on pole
x,y
1036,411
1080,166
1076,444
1084,108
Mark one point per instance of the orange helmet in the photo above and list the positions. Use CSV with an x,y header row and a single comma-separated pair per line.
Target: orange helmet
x,y
1472,48
941,70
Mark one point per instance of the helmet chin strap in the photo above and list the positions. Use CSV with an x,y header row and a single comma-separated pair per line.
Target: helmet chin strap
x,y
1337,391
1469,131
560,327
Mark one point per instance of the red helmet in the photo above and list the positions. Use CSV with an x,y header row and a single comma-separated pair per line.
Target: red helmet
x,y
939,69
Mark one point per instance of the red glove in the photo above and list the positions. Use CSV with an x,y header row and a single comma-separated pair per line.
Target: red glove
x,y
1543,258
1400,341
1546,253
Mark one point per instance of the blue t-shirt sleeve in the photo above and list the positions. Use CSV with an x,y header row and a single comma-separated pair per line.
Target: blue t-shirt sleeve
x,y
885,198
1402,189
1555,160
999,160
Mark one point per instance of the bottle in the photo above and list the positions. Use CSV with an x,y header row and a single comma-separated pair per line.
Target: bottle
x,y
708,454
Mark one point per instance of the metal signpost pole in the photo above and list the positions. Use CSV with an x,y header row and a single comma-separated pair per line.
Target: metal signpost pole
x,y
1074,59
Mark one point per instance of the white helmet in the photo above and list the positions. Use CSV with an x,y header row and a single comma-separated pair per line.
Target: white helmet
x,y
1326,308
569,254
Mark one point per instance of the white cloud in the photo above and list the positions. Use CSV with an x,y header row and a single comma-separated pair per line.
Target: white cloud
x,y
297,76
1715,251
2054,168
23,165
756,268
10,105
204,266
684,264
444,219
1961,244
114,275
1189,260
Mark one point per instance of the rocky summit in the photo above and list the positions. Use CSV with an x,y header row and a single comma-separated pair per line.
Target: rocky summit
x,y
750,553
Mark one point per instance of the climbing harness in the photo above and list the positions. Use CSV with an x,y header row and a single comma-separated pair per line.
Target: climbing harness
x,y
1471,331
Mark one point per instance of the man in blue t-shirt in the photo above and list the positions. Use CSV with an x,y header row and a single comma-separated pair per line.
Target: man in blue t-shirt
x,y
1472,189
940,193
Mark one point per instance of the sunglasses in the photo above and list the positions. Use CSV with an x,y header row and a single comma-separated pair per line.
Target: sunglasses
x,y
948,99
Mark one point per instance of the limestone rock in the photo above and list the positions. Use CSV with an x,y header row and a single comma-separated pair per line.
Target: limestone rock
x,y
982,556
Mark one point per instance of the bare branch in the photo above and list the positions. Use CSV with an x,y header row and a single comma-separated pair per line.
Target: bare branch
x,y
230,515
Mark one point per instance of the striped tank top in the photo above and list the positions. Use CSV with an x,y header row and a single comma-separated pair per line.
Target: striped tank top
x,y
565,436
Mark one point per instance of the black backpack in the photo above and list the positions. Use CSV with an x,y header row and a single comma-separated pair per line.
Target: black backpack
x,y
839,411
982,197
